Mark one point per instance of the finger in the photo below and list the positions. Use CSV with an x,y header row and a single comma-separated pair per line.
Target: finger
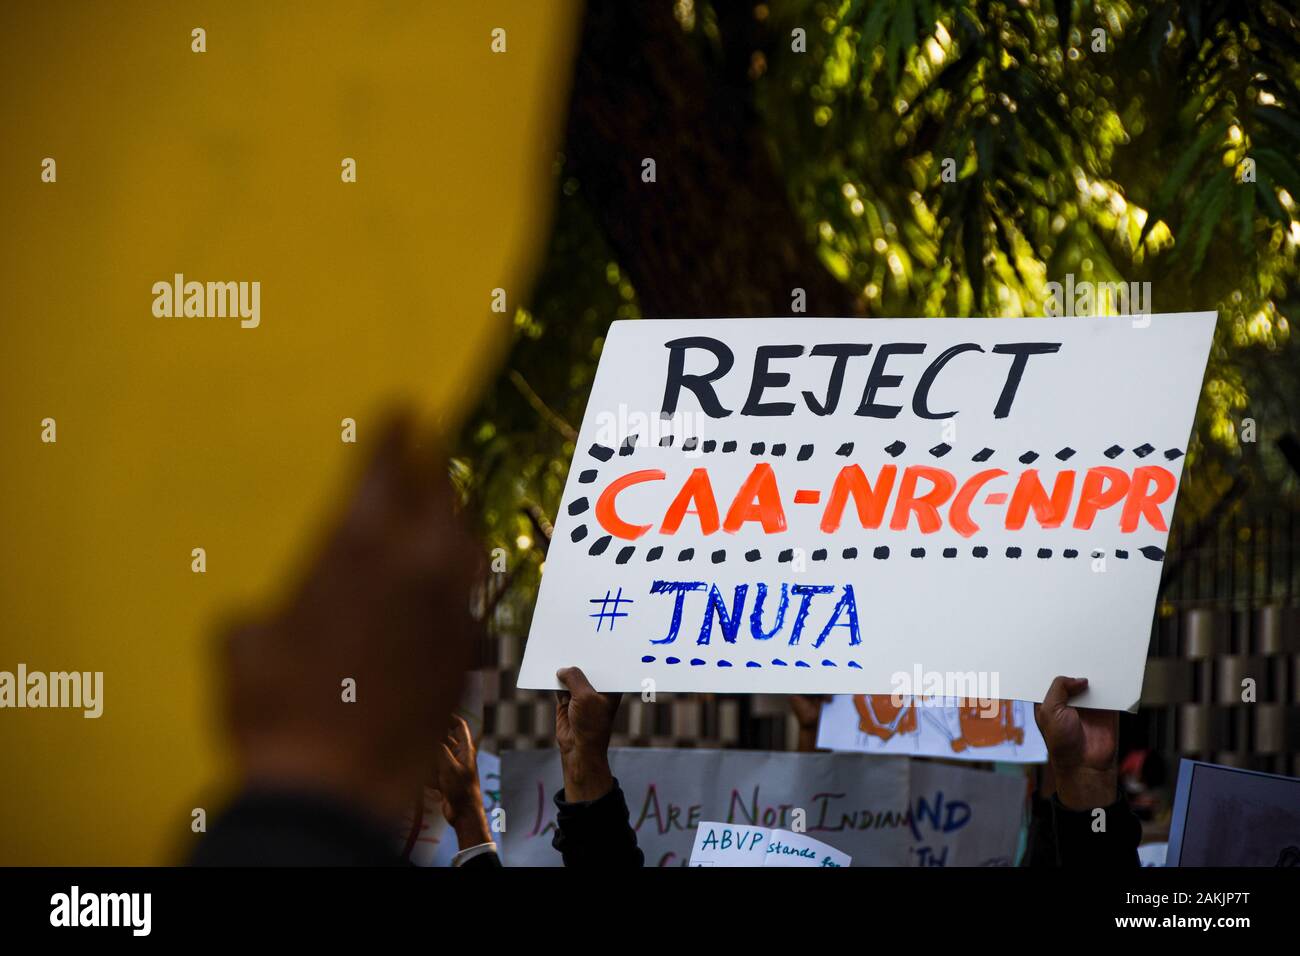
x,y
247,656
373,496
447,760
460,733
576,681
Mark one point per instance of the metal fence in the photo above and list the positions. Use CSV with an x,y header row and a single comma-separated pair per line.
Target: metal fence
x,y
1222,679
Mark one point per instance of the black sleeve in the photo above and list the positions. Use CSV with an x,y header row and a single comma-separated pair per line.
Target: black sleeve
x,y
295,829
1080,844
596,833
1040,845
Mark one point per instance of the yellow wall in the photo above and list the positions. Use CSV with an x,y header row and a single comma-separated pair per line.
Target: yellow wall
x,y
183,433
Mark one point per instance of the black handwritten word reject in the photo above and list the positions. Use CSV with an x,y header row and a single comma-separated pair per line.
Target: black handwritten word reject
x,y
765,377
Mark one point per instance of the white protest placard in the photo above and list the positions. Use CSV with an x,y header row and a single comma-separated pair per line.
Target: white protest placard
x,y
972,729
879,811
724,844
818,505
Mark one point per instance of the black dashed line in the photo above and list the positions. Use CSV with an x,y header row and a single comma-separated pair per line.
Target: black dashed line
x,y
686,554
753,555
778,450
980,552
709,445
690,444
600,452
918,552
819,554
599,545
666,441
578,533
625,554
881,553
757,448
1029,457
895,448
1070,553
1152,552
587,477
655,553
1013,552
578,506
950,552
628,446
1114,451
1065,454
1172,453
850,553
984,454
719,556
845,450
805,452
1044,552
786,556
940,449
1143,450
728,446
1121,553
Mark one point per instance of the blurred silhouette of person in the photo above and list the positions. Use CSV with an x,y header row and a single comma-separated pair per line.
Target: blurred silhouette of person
x,y
330,700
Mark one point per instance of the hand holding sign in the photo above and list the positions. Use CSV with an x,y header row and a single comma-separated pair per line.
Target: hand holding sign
x,y
584,721
1081,744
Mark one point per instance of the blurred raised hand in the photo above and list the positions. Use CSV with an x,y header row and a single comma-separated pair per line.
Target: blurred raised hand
x,y
336,692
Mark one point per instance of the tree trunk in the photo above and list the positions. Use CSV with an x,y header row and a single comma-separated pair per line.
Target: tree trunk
x,y
715,234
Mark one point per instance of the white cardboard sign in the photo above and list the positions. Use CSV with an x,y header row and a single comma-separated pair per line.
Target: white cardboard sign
x,y
879,811
1002,730
724,844
820,505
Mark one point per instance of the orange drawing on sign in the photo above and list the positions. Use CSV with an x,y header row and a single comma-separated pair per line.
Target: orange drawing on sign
x,y
879,716
981,730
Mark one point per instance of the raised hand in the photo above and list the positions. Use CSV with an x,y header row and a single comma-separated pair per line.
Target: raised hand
x,y
584,721
1081,745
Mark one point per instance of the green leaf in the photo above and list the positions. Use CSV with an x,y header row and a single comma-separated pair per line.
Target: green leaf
x,y
1187,162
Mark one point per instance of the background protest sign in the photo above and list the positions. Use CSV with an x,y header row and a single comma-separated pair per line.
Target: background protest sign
x,y
881,811
817,505
1226,816
722,844
932,727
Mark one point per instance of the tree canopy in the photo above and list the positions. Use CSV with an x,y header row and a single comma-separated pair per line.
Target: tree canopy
x,y
916,158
